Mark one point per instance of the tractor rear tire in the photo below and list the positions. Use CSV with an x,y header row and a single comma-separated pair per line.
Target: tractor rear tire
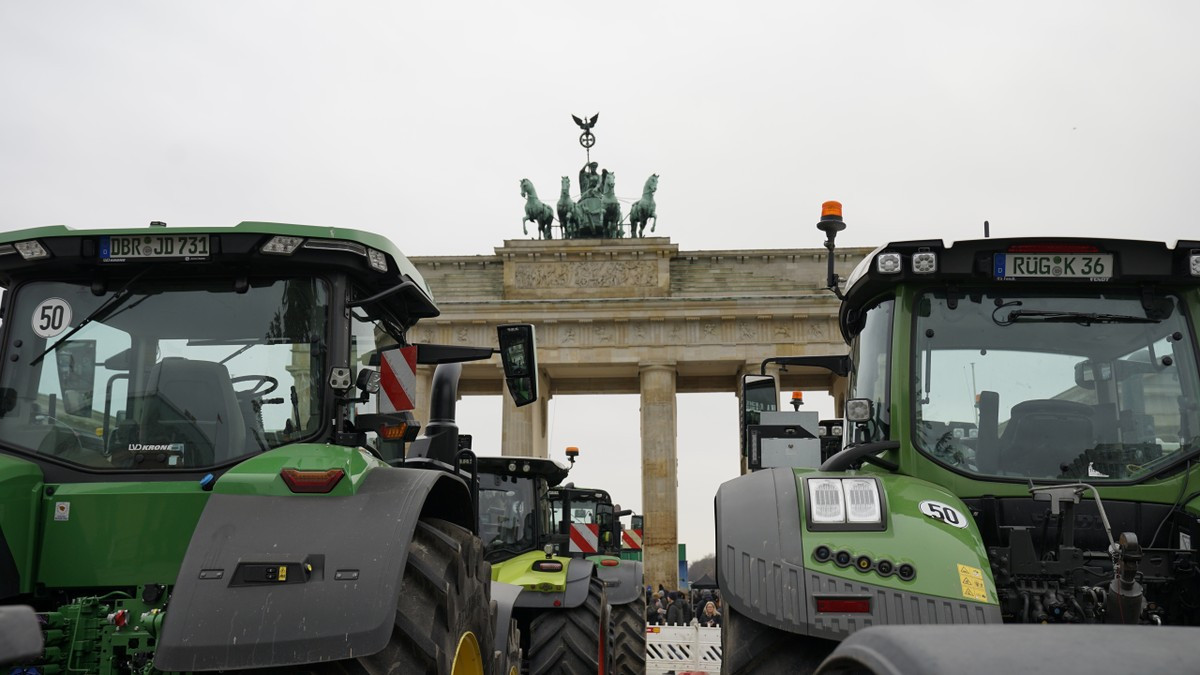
x,y
509,661
627,635
751,647
444,617
571,641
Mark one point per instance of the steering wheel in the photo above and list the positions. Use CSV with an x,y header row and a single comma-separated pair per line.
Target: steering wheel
x,y
863,451
257,390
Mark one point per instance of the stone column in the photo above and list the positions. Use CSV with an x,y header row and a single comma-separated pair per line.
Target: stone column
x,y
660,541
523,430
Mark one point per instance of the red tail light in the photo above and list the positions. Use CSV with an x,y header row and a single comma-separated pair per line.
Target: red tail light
x,y
844,605
609,562
318,482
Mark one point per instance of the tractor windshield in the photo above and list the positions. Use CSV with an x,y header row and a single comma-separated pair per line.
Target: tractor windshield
x,y
162,374
507,514
1079,386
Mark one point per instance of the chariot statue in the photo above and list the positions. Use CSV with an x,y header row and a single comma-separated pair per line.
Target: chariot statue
x,y
597,213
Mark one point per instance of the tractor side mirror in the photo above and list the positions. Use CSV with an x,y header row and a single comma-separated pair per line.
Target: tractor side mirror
x,y
518,353
76,365
758,396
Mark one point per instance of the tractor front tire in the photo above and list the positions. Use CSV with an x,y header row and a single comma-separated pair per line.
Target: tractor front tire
x,y
572,641
750,647
627,633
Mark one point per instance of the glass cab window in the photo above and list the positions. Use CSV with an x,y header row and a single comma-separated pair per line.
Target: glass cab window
x,y
1093,387
870,357
168,375
508,508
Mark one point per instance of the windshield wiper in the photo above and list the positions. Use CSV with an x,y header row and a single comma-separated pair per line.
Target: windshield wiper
x,y
112,303
1081,318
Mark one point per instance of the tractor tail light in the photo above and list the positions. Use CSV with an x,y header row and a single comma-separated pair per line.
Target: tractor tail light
x,y
844,605
311,482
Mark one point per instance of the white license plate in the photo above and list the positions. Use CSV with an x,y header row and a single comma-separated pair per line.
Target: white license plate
x,y
1093,266
141,246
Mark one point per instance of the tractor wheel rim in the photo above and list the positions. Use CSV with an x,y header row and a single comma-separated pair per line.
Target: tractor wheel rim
x,y
467,659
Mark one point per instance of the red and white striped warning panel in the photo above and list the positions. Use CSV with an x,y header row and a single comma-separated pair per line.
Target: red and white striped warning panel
x,y
585,538
631,540
398,380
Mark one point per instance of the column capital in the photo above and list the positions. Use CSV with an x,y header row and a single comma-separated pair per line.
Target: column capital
x,y
662,365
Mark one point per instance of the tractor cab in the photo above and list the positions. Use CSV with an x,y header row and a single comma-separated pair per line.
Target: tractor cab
x,y
587,516
514,513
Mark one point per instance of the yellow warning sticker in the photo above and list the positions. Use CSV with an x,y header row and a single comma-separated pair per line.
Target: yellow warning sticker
x,y
971,579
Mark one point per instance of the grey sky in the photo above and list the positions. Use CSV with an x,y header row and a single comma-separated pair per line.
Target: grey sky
x,y
418,121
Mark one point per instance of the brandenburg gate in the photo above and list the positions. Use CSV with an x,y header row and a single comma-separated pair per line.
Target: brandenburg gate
x,y
638,315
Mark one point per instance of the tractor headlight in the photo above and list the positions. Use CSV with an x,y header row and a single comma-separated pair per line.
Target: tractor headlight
x,y
845,503
826,501
924,262
887,263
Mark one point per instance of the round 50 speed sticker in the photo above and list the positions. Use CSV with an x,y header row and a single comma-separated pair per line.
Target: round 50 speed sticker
x,y
51,317
944,512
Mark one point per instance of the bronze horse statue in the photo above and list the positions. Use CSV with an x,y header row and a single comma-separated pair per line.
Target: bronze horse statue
x,y
536,211
612,207
643,209
568,210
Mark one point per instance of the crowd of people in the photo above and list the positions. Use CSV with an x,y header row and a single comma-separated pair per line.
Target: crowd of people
x,y
682,608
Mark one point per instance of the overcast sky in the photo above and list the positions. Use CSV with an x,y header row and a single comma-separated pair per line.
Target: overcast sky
x,y
419,120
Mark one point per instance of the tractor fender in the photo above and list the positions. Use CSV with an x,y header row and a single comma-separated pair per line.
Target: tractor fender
x,y
623,581
579,574
345,557
768,570
759,552
505,597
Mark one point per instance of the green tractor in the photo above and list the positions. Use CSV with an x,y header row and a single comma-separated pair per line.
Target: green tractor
x,y
574,609
1021,428
206,463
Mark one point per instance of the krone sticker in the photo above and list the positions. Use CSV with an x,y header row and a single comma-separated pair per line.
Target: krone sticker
x,y
62,510
51,317
971,580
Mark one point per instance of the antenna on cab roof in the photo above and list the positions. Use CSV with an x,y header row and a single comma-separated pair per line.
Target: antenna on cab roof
x,y
986,230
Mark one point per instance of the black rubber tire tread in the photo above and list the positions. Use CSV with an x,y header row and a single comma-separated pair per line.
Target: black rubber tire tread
x,y
568,641
627,635
510,662
750,647
446,591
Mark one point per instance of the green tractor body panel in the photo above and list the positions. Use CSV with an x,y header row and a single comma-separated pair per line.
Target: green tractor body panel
x,y
946,558
260,475
519,571
97,534
20,499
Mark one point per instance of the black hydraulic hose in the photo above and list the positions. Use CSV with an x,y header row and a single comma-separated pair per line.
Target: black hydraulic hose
x,y
1025,607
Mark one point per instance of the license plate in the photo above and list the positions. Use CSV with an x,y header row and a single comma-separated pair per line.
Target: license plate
x,y
1091,266
117,248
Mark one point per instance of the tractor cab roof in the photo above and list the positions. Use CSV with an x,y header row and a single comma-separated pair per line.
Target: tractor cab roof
x,y
552,470
249,248
1026,261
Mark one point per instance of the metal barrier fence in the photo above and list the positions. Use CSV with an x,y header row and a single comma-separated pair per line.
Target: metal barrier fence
x,y
682,649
